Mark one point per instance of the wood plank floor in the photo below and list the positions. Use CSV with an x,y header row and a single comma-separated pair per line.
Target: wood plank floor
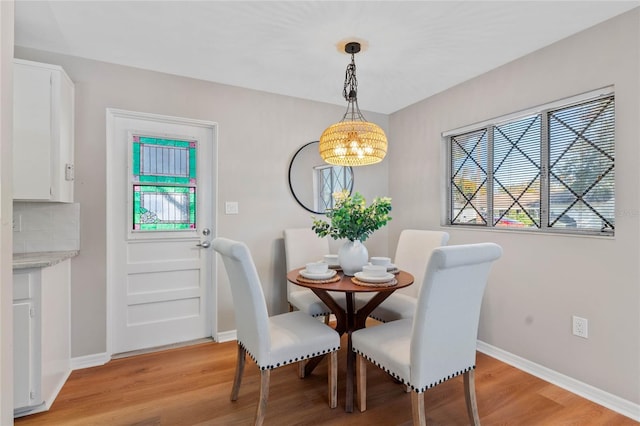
x,y
191,386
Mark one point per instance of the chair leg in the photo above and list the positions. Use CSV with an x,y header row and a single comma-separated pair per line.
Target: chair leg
x,y
361,386
470,397
301,365
417,409
333,379
239,370
265,375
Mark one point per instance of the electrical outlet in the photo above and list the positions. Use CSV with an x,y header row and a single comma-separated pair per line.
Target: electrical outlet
x,y
580,327
68,172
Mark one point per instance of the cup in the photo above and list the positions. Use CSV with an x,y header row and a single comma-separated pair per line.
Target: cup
x,y
377,260
374,270
317,267
331,259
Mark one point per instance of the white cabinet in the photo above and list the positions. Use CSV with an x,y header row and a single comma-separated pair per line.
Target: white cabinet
x,y
43,132
26,384
42,350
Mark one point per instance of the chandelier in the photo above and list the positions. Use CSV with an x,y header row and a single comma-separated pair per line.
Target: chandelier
x,y
353,141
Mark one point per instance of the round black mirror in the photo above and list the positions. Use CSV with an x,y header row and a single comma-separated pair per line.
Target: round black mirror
x,y
313,182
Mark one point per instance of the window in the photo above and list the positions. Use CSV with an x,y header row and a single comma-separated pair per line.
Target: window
x,y
547,170
328,180
163,184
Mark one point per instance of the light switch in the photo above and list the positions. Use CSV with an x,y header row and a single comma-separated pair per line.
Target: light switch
x,y
231,207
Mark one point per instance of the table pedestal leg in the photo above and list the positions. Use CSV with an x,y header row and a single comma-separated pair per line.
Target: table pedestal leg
x,y
346,322
341,325
348,405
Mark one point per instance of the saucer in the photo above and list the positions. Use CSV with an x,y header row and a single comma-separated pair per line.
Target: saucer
x,y
322,276
374,279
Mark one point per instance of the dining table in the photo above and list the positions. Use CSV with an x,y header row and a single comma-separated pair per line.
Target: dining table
x,y
350,317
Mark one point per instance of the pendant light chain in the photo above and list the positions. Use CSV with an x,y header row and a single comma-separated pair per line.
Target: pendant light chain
x,y
350,92
350,81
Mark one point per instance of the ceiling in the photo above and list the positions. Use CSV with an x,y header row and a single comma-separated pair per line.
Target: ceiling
x,y
411,50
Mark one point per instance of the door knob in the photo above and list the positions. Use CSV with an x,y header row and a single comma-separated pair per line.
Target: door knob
x,y
204,244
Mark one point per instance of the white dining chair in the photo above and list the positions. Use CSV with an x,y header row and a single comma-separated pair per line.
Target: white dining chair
x,y
301,246
412,255
271,341
439,343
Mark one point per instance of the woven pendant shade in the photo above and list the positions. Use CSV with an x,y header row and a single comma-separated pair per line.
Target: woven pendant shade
x,y
353,141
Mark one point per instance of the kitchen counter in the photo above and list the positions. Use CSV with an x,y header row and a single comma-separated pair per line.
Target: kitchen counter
x,y
41,259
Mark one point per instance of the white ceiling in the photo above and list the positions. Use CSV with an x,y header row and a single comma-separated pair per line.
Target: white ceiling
x,y
412,49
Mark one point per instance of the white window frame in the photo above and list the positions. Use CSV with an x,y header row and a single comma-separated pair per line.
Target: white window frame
x,y
541,110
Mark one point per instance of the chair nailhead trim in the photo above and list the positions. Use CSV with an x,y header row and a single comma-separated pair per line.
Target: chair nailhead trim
x,y
418,390
280,364
376,318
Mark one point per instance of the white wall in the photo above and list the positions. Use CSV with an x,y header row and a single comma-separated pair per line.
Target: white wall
x,y
542,280
258,135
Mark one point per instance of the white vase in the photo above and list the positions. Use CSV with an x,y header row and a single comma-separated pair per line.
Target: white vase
x,y
353,255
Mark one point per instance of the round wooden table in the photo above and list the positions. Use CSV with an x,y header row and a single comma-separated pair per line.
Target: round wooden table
x,y
349,319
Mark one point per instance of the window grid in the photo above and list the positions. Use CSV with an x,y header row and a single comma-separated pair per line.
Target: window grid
x,y
162,208
552,170
332,179
516,176
469,177
163,160
163,183
582,164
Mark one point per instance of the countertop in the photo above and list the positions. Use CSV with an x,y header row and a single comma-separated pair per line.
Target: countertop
x,y
41,259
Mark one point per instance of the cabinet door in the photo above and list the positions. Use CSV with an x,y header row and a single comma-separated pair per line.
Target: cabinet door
x,y
32,132
23,371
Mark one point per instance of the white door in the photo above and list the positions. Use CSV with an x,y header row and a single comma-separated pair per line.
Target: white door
x,y
160,221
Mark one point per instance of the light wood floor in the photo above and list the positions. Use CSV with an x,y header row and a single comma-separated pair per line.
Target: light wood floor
x,y
191,386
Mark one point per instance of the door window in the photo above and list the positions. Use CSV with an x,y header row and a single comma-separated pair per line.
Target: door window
x,y
163,183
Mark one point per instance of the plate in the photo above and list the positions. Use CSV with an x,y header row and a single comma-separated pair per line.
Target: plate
x,y
391,267
371,279
321,276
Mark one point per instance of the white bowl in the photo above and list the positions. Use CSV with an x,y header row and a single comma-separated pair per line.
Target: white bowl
x,y
374,270
323,276
378,260
331,259
317,267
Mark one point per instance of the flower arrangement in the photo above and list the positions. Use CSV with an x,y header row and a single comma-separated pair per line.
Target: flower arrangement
x,y
352,219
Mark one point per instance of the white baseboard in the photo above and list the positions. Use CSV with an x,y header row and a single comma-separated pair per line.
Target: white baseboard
x,y
47,400
226,336
87,361
606,399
